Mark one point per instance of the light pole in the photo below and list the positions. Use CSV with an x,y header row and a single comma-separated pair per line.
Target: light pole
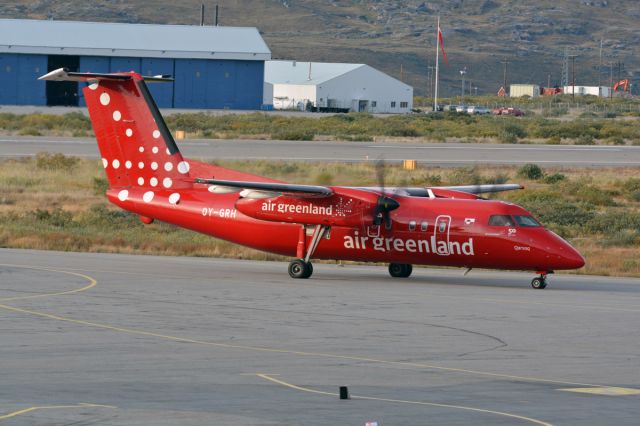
x,y
462,74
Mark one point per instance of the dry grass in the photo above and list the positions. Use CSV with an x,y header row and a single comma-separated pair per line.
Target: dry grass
x,y
47,206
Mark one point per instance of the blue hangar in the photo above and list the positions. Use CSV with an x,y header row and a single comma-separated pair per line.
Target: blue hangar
x,y
214,67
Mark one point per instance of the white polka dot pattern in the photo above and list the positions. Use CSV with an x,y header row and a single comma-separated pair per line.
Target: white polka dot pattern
x,y
105,99
174,198
154,166
127,164
116,115
123,195
167,182
183,167
156,134
168,166
148,196
128,132
115,164
153,182
140,181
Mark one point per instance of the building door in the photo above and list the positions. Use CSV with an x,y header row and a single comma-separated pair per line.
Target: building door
x,y
363,106
62,93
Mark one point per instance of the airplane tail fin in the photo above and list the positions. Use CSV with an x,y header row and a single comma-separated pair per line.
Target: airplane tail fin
x,y
136,146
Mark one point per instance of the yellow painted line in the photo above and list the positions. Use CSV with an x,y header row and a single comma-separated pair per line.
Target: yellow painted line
x,y
132,331
51,407
92,283
401,401
605,390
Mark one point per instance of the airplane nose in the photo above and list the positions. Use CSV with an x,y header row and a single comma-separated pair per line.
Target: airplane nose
x,y
573,259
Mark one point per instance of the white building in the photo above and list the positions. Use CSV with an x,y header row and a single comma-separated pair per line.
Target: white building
x,y
334,87
602,91
519,90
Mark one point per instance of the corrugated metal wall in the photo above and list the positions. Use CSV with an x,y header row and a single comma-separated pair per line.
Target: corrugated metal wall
x,y
19,83
214,84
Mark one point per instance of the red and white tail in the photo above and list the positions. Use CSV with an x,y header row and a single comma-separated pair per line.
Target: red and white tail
x,y
136,146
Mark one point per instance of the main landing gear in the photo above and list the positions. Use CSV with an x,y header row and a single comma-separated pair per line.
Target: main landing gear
x,y
302,267
540,283
400,270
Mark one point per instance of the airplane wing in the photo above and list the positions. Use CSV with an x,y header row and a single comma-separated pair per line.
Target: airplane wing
x,y
483,189
272,188
428,191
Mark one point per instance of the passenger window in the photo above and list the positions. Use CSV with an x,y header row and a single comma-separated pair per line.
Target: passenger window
x,y
526,221
500,220
423,226
442,226
412,225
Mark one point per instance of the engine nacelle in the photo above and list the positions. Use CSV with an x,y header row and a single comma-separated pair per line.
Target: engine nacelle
x,y
339,209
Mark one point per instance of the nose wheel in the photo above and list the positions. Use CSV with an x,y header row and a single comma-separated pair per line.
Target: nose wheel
x,y
539,283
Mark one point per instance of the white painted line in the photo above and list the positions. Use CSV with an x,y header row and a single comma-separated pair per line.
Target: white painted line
x,y
503,148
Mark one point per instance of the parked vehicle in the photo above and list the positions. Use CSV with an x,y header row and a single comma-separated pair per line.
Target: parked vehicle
x,y
508,111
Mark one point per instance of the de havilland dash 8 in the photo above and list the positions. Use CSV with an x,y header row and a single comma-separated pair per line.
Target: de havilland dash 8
x,y
443,226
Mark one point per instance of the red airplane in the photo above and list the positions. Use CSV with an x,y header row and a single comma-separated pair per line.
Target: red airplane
x,y
443,226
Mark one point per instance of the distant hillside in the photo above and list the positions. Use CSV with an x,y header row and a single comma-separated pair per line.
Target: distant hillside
x,y
478,34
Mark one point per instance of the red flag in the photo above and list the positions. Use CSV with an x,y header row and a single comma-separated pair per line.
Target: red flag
x,y
444,54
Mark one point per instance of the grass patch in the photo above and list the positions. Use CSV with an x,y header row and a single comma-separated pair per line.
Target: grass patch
x,y
58,203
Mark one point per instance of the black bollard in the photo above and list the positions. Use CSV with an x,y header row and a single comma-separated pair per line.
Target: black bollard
x,y
344,392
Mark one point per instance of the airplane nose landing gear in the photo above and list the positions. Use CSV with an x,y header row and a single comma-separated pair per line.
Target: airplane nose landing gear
x,y
540,283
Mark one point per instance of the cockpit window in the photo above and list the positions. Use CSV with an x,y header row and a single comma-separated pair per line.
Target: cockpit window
x,y
500,220
526,221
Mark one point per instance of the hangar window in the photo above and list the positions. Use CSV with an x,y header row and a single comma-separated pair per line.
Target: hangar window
x,y
374,104
393,104
404,104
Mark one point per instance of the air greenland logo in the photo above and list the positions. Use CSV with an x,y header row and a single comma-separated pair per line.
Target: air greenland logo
x,y
392,244
297,208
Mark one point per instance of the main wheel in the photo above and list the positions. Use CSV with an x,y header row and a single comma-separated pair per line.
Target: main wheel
x,y
300,269
538,283
400,270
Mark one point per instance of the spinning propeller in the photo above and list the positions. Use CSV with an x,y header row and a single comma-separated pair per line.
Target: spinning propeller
x,y
385,204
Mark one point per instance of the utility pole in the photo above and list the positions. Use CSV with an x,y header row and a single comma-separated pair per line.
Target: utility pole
x,y
505,62
600,66
564,82
573,75
462,73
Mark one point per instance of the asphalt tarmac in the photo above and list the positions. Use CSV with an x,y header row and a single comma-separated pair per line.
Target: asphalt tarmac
x,y
144,340
443,154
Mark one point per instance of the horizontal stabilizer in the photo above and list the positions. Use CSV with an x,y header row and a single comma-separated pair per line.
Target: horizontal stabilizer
x,y
280,188
63,74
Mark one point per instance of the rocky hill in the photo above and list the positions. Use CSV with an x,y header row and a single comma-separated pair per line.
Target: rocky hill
x,y
393,35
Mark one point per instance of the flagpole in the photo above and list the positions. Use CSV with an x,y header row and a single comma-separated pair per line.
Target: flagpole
x,y
435,92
